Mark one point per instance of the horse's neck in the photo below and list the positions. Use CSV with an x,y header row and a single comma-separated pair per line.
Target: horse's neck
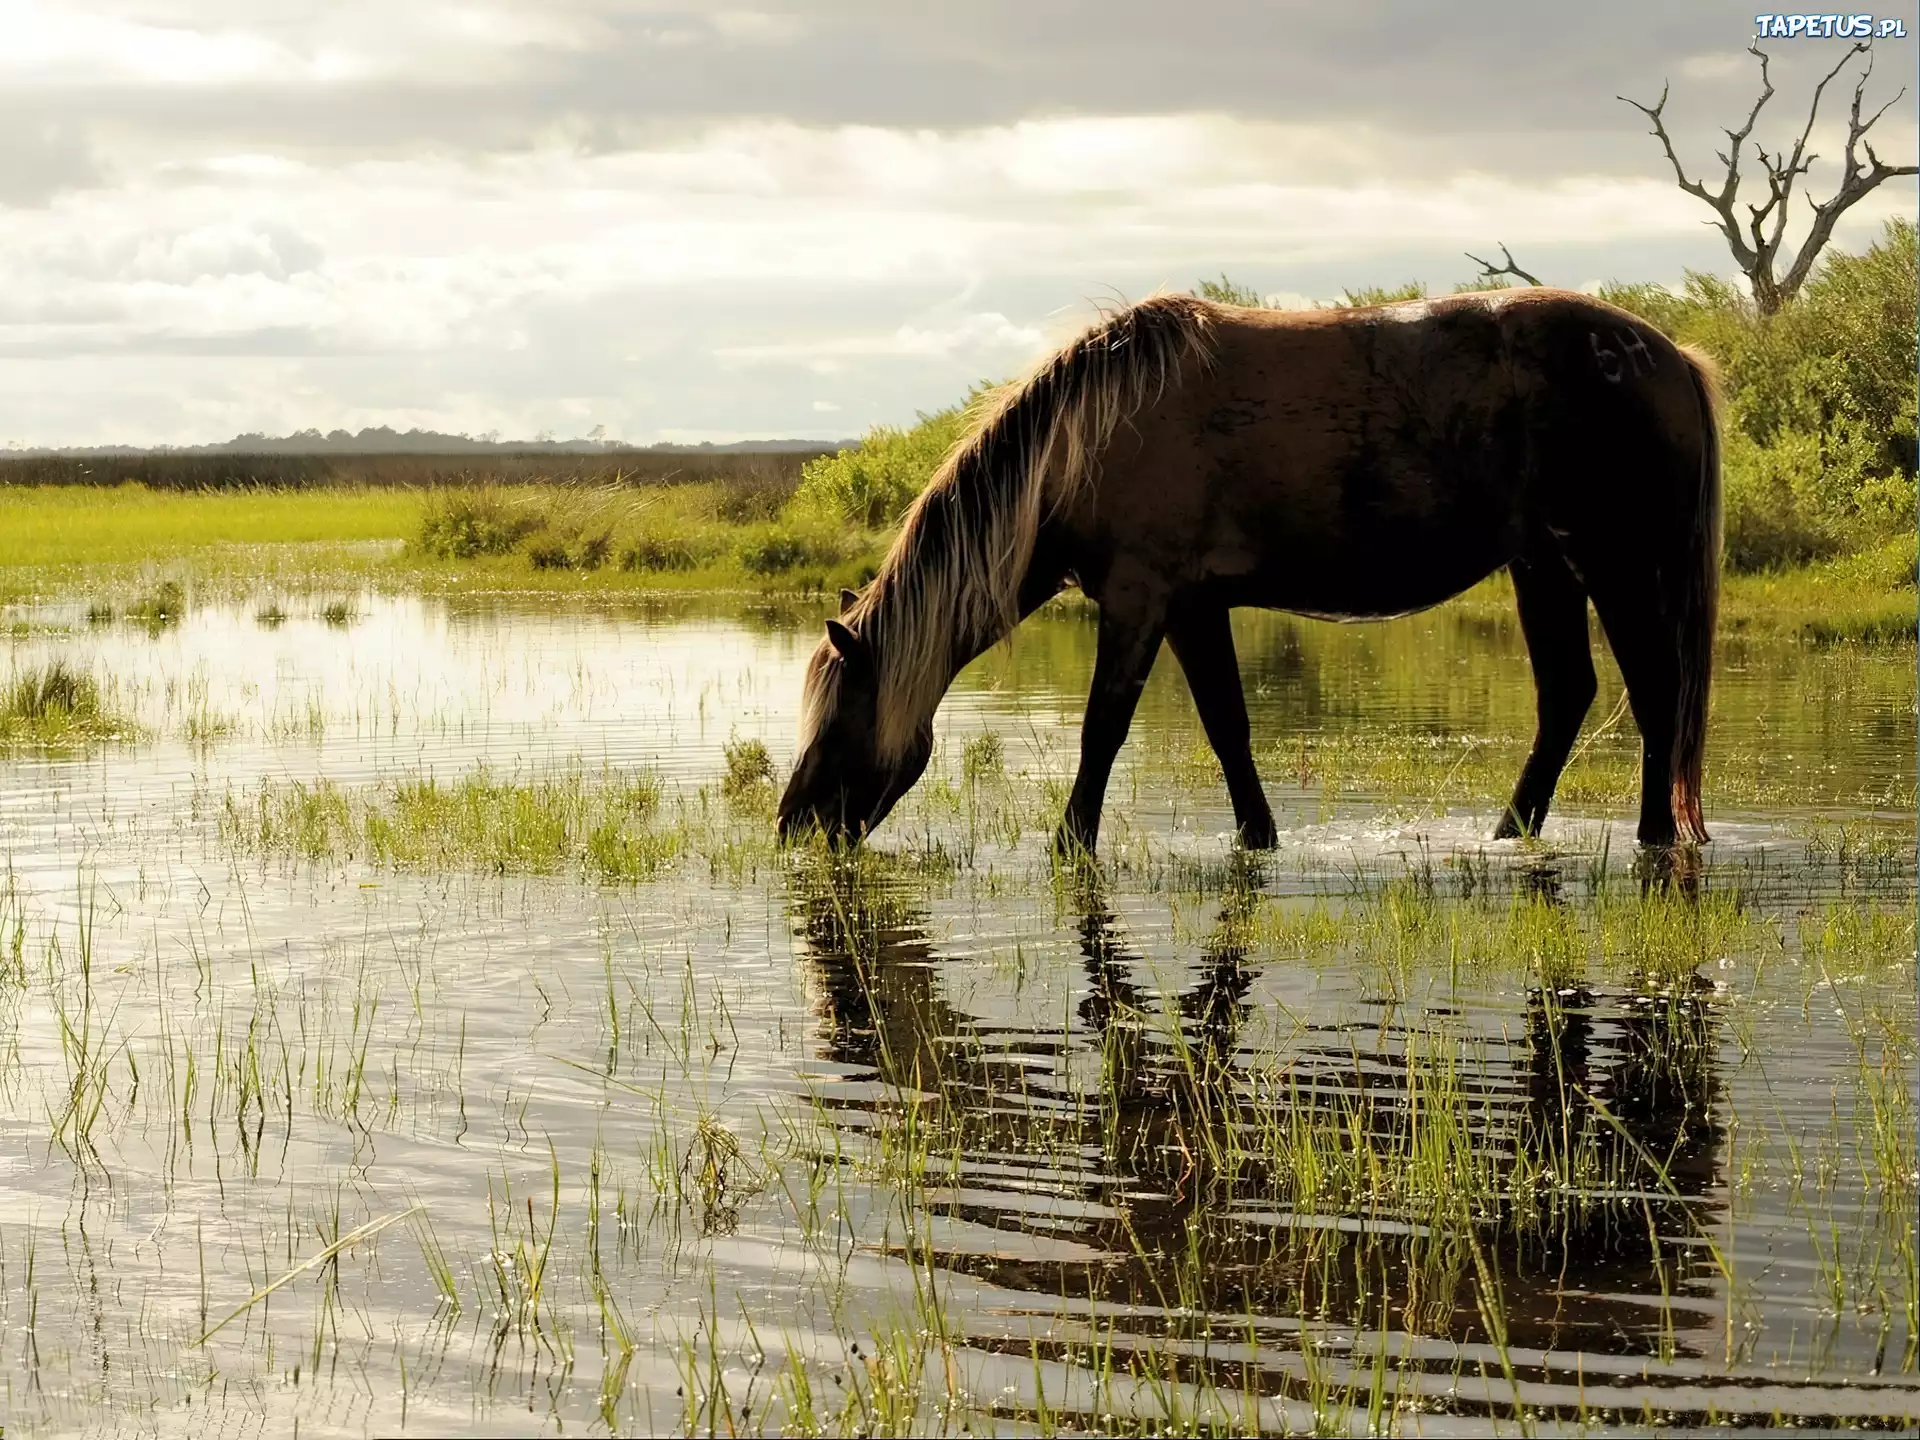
x,y
1046,574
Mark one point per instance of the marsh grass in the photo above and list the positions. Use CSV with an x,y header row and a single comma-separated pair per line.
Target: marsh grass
x,y
56,704
703,534
600,825
943,1135
163,606
749,777
1397,1204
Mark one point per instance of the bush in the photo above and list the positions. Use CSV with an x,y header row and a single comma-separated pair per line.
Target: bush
x,y
461,524
1768,525
776,549
1225,292
872,486
1381,295
548,551
659,553
757,495
54,705
749,768
1819,436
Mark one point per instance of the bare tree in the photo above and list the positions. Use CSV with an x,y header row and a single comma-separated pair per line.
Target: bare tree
x,y
1488,271
1756,241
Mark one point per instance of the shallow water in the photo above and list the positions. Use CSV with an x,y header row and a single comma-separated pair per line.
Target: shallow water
x,y
948,1138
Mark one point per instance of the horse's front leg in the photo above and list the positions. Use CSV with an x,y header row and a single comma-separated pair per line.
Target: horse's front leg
x,y
1129,641
1202,641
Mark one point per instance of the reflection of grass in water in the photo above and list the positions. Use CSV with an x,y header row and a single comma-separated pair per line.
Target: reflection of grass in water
x,y
551,1264
1420,1151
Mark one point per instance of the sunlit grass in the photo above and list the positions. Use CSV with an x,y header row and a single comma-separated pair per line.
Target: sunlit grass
x,y
604,825
675,538
62,525
55,704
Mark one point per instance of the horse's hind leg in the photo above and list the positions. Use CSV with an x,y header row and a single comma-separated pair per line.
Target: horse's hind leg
x,y
1128,645
1553,616
1202,641
1643,645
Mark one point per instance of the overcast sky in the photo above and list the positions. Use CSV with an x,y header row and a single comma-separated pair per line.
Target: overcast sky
x,y
798,220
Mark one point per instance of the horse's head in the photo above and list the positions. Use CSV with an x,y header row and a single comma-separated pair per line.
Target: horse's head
x,y
841,782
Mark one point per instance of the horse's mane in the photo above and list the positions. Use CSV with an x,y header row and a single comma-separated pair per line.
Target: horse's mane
x,y
950,583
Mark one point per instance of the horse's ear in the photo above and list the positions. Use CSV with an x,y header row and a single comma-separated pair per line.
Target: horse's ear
x,y
852,648
847,598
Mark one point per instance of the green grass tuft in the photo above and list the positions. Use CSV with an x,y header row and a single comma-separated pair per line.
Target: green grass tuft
x,y
55,705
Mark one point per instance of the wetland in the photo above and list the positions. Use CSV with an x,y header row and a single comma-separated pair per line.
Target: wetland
x,y
408,1022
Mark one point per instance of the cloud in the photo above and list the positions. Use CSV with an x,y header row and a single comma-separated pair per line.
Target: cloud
x,y
40,162
507,214
987,334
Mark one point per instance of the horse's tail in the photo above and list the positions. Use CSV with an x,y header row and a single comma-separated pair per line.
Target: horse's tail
x,y
951,582
1699,600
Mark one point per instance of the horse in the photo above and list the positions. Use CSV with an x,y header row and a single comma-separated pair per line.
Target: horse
x,y
1181,458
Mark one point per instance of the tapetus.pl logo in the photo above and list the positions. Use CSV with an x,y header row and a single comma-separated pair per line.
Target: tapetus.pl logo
x,y
1830,27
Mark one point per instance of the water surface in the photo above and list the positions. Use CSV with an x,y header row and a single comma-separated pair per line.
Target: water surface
x,y
967,1140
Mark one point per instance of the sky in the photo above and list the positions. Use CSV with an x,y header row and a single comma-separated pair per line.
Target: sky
x,y
683,223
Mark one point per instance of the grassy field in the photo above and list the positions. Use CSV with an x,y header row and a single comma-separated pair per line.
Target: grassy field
x,y
113,543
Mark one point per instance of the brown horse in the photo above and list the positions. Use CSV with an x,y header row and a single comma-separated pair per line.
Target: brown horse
x,y
1182,458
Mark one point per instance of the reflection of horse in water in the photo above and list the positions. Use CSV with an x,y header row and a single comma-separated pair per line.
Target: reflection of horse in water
x,y
1148,1162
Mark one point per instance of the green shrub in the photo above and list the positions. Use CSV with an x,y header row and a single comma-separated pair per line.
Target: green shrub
x,y
749,768
1820,437
777,549
1225,292
1769,526
53,693
548,551
1382,295
460,524
753,497
659,553
871,486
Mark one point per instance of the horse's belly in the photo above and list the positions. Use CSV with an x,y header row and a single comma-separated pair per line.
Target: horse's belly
x,y
1359,582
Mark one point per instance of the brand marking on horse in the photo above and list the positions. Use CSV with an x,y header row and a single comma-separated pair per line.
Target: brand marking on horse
x,y
1633,355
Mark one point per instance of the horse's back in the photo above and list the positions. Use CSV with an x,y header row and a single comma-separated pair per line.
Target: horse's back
x,y
1369,460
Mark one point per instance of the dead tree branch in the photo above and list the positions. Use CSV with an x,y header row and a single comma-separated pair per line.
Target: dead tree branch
x,y
1757,240
1488,271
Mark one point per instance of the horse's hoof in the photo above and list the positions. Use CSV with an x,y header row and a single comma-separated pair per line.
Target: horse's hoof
x,y
1510,828
1071,843
1259,835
